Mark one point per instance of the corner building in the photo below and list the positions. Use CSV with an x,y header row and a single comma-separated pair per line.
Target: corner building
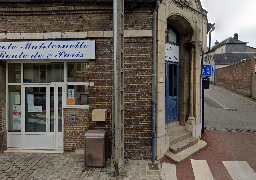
x,y
56,61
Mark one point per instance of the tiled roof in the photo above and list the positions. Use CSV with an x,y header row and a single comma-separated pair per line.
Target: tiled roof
x,y
232,58
229,40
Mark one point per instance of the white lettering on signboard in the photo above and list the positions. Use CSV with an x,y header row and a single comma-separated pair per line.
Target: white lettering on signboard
x,y
77,49
171,52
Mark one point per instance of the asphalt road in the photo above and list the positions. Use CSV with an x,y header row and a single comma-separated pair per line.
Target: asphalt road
x,y
227,110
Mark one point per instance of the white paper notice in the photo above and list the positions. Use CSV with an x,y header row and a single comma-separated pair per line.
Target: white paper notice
x,y
30,107
71,93
16,122
17,99
37,108
30,98
16,109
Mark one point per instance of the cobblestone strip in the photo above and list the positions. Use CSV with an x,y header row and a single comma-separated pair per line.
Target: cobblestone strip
x,y
231,130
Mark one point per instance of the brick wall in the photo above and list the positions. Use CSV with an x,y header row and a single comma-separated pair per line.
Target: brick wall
x,y
3,141
100,95
74,131
40,18
237,77
137,95
3,132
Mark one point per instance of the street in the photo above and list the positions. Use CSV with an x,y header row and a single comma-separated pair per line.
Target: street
x,y
226,110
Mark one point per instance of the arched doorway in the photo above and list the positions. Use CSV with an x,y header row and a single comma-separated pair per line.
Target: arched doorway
x,y
177,69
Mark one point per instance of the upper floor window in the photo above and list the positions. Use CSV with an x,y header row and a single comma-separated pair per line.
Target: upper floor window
x,y
172,36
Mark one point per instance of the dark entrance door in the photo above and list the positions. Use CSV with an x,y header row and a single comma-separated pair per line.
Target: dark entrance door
x,y
171,91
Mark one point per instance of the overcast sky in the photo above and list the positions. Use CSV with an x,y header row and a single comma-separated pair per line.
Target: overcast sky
x,y
230,17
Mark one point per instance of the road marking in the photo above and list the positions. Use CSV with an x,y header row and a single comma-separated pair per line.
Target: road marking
x,y
168,171
238,95
201,170
215,100
239,170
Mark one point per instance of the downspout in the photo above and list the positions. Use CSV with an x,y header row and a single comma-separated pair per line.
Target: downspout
x,y
115,79
154,82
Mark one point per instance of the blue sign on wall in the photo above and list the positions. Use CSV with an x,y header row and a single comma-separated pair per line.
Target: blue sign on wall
x,y
207,70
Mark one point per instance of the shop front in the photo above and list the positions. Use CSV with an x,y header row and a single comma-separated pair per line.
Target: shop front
x,y
43,79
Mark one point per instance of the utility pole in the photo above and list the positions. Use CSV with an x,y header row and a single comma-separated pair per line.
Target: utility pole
x,y
117,158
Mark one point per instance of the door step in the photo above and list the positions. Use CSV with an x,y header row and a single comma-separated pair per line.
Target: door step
x,y
181,135
182,144
186,154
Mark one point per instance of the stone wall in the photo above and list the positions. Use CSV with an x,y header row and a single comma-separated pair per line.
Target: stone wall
x,y
237,77
190,27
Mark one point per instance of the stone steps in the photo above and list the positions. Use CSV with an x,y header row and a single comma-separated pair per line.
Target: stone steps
x,y
186,154
175,129
179,136
182,145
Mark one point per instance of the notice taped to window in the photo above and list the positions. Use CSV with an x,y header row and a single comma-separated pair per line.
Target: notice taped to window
x,y
16,117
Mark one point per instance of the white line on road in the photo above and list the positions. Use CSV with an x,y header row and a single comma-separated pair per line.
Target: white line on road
x,y
168,171
201,170
215,100
239,170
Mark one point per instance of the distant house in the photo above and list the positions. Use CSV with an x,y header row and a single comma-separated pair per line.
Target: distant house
x,y
227,59
228,52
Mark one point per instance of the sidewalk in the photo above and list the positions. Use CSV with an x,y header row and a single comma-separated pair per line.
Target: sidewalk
x,y
223,147
67,166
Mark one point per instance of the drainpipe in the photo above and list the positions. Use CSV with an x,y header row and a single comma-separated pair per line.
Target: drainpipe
x,y
154,82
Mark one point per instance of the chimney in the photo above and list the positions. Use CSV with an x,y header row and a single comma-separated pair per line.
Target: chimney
x,y
216,42
235,37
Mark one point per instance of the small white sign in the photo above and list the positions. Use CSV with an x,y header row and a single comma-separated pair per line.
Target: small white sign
x,y
17,99
30,107
171,52
71,93
30,98
37,108
76,49
16,122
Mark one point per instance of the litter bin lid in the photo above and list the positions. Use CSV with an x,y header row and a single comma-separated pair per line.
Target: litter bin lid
x,y
95,133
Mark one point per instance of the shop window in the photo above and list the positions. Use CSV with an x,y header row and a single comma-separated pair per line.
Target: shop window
x,y
78,72
43,72
14,106
14,73
77,94
77,83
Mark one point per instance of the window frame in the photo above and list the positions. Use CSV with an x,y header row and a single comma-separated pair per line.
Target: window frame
x,y
74,83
